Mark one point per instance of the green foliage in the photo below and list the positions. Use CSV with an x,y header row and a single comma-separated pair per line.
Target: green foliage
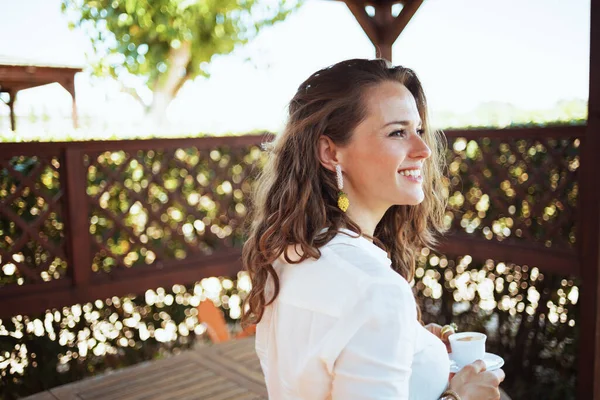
x,y
141,37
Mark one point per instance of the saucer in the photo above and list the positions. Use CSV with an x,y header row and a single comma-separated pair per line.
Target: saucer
x,y
492,362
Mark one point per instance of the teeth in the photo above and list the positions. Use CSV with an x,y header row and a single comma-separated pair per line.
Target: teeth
x,y
412,172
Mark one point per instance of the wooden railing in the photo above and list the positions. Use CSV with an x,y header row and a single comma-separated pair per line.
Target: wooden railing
x,y
527,183
81,221
90,220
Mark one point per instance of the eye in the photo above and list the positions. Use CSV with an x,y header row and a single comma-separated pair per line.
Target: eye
x,y
402,132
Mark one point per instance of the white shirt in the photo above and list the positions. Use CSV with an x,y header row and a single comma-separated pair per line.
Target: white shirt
x,y
344,327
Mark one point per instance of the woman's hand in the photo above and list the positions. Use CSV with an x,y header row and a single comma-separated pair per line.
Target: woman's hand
x,y
437,331
473,382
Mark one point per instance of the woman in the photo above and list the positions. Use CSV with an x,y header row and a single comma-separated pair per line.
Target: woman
x,y
351,192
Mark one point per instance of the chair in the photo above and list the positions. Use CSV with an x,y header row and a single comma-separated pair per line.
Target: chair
x,y
216,327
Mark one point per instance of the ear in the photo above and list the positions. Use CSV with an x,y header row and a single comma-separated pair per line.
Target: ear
x,y
329,153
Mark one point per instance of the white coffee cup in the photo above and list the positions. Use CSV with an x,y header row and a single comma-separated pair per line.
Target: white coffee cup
x,y
467,347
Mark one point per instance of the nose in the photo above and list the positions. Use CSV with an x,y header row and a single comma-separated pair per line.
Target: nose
x,y
419,148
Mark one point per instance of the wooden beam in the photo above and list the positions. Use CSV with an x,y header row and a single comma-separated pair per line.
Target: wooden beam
x,y
48,295
383,20
383,28
384,50
76,208
69,85
402,20
8,150
35,74
366,22
542,132
546,259
11,107
588,235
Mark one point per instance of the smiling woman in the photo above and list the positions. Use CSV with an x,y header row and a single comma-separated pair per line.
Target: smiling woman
x,y
353,187
386,152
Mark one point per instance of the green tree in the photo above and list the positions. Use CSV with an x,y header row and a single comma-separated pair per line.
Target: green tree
x,y
161,44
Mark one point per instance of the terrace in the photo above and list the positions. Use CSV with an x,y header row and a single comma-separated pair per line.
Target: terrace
x,y
83,221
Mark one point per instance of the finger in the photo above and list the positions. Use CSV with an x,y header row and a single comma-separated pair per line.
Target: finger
x,y
446,331
451,376
479,366
499,374
435,329
446,335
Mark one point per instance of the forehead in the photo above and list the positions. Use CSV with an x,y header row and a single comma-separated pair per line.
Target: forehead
x,y
391,101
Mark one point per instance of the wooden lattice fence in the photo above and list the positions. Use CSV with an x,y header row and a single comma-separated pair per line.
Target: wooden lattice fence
x,y
90,220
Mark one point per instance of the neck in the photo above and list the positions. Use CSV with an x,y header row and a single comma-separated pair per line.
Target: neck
x,y
367,221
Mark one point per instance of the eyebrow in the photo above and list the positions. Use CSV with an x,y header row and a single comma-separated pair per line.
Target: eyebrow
x,y
404,122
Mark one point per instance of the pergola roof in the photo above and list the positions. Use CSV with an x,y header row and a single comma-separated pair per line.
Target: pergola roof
x,y
19,74
36,62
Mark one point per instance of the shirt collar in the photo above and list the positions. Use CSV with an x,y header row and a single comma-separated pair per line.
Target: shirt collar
x,y
361,242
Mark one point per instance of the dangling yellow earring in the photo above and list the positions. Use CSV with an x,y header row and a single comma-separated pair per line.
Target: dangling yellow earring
x,y
343,201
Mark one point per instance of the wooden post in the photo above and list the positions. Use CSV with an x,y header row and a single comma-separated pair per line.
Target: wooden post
x,y
74,174
384,21
11,107
70,86
384,50
588,234
383,28
74,110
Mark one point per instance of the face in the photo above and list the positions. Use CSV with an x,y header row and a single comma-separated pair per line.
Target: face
x,y
385,143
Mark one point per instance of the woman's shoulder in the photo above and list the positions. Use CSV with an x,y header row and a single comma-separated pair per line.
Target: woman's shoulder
x,y
323,283
337,278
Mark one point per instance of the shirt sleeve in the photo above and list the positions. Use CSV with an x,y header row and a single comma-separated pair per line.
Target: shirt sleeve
x,y
371,351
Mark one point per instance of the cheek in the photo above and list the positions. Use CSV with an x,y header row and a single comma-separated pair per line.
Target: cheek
x,y
376,165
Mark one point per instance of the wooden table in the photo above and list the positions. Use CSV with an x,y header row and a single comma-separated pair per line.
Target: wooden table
x,y
227,371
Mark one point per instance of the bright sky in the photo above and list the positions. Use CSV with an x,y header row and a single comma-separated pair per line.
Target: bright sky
x,y
530,53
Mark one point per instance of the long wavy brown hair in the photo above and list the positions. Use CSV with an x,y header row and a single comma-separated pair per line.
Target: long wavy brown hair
x,y
296,197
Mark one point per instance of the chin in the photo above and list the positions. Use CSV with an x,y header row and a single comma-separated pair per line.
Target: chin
x,y
409,203
414,201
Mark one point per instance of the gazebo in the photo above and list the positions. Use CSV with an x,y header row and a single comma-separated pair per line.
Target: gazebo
x,y
18,74
92,172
